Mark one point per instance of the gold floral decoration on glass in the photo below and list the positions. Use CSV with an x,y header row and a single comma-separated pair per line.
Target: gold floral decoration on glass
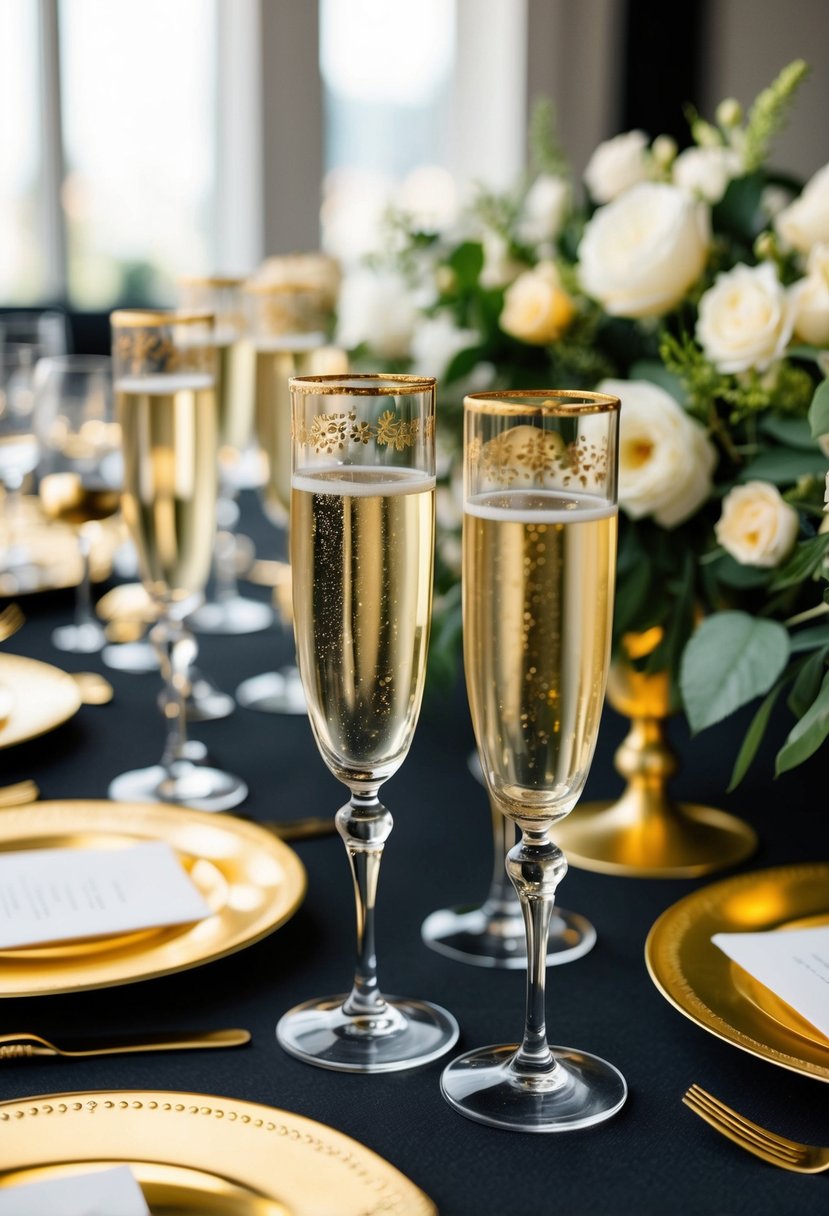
x,y
329,433
531,456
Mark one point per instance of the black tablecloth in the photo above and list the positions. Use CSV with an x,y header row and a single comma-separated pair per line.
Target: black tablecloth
x,y
654,1157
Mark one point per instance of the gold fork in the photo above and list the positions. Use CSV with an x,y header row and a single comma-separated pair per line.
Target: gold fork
x,y
768,1146
11,618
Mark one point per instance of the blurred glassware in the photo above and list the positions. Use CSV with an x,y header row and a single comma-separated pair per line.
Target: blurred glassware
x,y
80,469
289,311
228,611
24,339
164,367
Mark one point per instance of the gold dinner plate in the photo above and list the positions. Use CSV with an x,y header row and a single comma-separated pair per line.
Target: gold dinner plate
x,y
43,697
711,990
198,1155
251,881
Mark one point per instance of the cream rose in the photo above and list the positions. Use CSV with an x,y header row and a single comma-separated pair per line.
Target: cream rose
x,y
757,527
665,458
536,309
376,308
805,222
545,210
706,172
640,254
616,165
811,299
745,320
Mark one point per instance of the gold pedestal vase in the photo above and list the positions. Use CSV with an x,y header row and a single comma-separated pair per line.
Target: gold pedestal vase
x,y
645,833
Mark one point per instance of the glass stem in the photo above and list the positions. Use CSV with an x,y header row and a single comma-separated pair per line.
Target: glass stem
x,y
500,900
176,649
536,866
365,826
224,550
83,595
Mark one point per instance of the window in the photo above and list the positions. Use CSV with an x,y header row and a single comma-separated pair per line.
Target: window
x,y
21,267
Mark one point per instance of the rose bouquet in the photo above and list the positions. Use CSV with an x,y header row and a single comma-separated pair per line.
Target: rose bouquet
x,y
695,285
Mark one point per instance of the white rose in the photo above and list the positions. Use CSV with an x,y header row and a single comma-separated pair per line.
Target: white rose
x,y
376,308
811,299
757,527
616,165
536,309
805,222
706,172
435,343
545,210
745,320
640,254
498,268
665,457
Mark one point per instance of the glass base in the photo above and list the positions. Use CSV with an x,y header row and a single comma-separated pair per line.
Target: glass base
x,y
582,1090
186,784
79,639
136,658
405,1034
274,692
491,936
234,615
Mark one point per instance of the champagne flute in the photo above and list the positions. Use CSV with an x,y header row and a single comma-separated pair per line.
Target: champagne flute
x,y
228,612
286,328
539,555
362,548
80,469
165,386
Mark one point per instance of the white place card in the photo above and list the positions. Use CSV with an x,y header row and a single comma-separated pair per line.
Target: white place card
x,y
109,1192
55,895
793,963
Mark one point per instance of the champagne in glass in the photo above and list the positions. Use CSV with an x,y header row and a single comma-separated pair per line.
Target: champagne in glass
x,y
539,552
287,322
362,550
165,386
227,612
80,469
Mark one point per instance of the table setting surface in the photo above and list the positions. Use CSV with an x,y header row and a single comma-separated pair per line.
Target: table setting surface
x,y
654,1156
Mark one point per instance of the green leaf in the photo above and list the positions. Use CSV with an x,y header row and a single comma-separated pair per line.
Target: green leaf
x,y
783,466
731,659
794,432
735,574
467,262
809,639
463,363
738,212
819,410
754,737
808,734
633,591
807,684
657,373
803,350
806,559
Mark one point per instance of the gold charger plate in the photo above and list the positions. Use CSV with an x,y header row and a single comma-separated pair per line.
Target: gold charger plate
x,y
198,1155
252,882
43,697
703,983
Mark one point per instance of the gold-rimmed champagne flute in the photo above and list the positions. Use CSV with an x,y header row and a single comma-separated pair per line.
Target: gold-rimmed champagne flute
x,y
539,558
227,611
287,320
362,550
164,371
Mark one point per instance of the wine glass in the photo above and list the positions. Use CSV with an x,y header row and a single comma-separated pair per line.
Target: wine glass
x,y
539,556
228,612
286,327
492,934
362,549
165,387
80,469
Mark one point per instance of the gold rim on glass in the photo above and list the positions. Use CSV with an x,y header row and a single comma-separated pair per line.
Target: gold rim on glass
x,y
394,384
212,280
558,402
127,318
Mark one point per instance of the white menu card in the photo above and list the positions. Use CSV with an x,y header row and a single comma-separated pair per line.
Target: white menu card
x,y
109,1192
55,895
793,963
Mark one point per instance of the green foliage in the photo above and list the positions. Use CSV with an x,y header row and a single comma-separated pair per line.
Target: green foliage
x,y
731,659
770,111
